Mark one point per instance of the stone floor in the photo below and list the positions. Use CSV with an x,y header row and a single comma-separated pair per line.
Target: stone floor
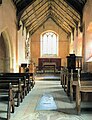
x,y
64,109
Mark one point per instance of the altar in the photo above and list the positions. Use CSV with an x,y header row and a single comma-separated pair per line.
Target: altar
x,y
49,64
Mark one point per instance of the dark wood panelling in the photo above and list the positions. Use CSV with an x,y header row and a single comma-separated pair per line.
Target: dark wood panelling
x,y
57,61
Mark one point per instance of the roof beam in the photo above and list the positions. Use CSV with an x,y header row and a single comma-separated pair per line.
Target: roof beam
x,y
37,23
66,31
70,10
39,17
75,5
36,28
53,18
60,18
60,22
39,14
77,18
32,9
65,18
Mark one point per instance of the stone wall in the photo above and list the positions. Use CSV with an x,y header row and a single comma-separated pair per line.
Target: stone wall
x,y
9,31
2,55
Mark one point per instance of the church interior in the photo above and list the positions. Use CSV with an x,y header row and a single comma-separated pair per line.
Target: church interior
x,y
45,59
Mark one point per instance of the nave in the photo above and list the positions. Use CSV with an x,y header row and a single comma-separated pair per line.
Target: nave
x,y
65,110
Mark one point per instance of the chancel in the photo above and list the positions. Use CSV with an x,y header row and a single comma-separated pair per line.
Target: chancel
x,y
45,59
49,63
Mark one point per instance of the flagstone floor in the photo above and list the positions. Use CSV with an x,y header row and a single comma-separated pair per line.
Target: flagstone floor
x,y
65,110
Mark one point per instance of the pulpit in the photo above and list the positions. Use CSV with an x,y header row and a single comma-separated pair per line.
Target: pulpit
x,y
74,62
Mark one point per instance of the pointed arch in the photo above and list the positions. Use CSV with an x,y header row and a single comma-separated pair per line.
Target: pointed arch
x,y
49,44
9,52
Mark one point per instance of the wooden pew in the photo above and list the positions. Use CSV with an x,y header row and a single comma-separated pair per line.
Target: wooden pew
x,y
19,76
28,80
74,79
82,87
64,77
32,79
16,87
65,80
6,94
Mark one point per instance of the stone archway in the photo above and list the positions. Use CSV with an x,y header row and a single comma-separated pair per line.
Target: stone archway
x,y
5,53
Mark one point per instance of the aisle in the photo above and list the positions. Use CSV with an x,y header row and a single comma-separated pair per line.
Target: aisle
x,y
48,77
64,109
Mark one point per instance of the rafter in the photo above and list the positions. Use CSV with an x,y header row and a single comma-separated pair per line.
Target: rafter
x,y
39,14
59,21
37,23
65,30
36,28
63,12
76,5
68,13
32,9
62,16
39,17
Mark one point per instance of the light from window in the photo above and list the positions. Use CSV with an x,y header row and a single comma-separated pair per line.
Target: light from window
x,y
49,44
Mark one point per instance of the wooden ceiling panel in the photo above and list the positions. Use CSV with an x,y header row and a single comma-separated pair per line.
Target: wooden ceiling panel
x,y
61,22
67,9
65,13
36,21
36,18
37,6
63,28
36,27
35,11
63,16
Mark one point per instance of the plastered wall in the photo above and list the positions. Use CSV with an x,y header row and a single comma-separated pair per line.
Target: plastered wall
x,y
63,49
87,42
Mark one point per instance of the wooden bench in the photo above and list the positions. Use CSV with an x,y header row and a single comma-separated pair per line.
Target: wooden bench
x,y
82,87
64,78
16,87
73,79
32,79
18,76
27,78
6,94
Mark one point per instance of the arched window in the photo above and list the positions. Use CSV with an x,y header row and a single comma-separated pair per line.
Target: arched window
x,y
49,44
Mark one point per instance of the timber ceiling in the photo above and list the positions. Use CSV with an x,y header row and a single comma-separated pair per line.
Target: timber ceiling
x,y
65,13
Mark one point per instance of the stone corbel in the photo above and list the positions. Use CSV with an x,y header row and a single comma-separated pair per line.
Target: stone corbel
x,y
81,28
76,28
73,33
81,24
